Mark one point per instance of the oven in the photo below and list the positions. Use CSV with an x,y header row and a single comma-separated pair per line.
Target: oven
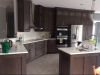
x,y
63,42
63,36
62,32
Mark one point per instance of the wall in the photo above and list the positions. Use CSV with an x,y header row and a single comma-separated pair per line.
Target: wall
x,y
3,22
32,34
15,16
96,16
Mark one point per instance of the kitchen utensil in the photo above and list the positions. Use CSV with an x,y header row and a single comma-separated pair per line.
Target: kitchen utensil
x,y
5,47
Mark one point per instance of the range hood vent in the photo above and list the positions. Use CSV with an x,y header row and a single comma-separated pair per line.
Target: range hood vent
x,y
32,7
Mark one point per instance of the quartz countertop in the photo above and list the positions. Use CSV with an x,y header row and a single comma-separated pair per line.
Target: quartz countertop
x,y
18,48
37,40
73,51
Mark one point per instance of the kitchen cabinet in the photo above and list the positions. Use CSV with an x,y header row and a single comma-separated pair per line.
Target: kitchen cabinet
x,y
77,64
28,49
39,49
62,17
45,47
23,15
51,46
35,50
32,51
39,18
49,19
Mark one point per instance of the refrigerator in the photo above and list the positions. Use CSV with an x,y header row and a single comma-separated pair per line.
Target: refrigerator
x,y
76,34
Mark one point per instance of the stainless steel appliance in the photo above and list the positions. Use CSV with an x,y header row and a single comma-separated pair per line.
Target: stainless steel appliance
x,y
76,34
51,35
62,31
63,36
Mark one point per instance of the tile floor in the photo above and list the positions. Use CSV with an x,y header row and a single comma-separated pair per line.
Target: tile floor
x,y
47,64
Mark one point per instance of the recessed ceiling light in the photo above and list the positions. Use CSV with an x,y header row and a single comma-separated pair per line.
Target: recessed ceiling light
x,y
81,4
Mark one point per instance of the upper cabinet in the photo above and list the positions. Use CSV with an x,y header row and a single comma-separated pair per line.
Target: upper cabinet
x,y
43,18
65,16
49,19
62,17
24,15
39,17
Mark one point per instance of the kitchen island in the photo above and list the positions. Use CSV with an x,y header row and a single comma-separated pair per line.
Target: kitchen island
x,y
14,62
72,61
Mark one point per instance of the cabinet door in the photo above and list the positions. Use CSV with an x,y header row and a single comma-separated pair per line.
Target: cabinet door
x,y
28,49
78,14
71,20
78,21
89,30
51,43
39,49
45,47
72,14
32,51
66,20
26,21
49,19
41,21
90,61
84,32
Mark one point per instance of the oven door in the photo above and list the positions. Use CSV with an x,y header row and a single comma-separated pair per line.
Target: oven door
x,y
62,33
62,42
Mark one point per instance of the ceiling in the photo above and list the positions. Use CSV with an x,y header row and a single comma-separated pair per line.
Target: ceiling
x,y
6,3
77,4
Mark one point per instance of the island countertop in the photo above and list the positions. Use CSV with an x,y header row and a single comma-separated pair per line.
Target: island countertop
x,y
73,51
18,48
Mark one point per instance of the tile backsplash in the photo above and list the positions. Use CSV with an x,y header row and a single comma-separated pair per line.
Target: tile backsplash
x,y
33,35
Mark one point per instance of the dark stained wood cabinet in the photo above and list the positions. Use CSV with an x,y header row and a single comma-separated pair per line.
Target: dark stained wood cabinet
x,y
49,19
51,46
35,50
39,18
78,64
14,64
62,17
23,15
32,51
28,49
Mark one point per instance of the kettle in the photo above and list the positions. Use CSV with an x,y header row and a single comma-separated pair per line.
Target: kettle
x,y
5,47
10,42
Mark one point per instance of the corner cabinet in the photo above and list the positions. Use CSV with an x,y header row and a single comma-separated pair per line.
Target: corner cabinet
x,y
24,15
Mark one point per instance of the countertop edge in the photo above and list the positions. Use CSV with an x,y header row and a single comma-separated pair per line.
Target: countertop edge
x,y
30,41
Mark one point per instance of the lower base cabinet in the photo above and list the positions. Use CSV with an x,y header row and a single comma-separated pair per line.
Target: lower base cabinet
x,y
80,64
36,50
51,44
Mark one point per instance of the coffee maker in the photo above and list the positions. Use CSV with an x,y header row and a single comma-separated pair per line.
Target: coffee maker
x,y
51,35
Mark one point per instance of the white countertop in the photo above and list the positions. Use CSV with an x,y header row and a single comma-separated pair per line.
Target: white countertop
x,y
19,50
73,51
37,40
